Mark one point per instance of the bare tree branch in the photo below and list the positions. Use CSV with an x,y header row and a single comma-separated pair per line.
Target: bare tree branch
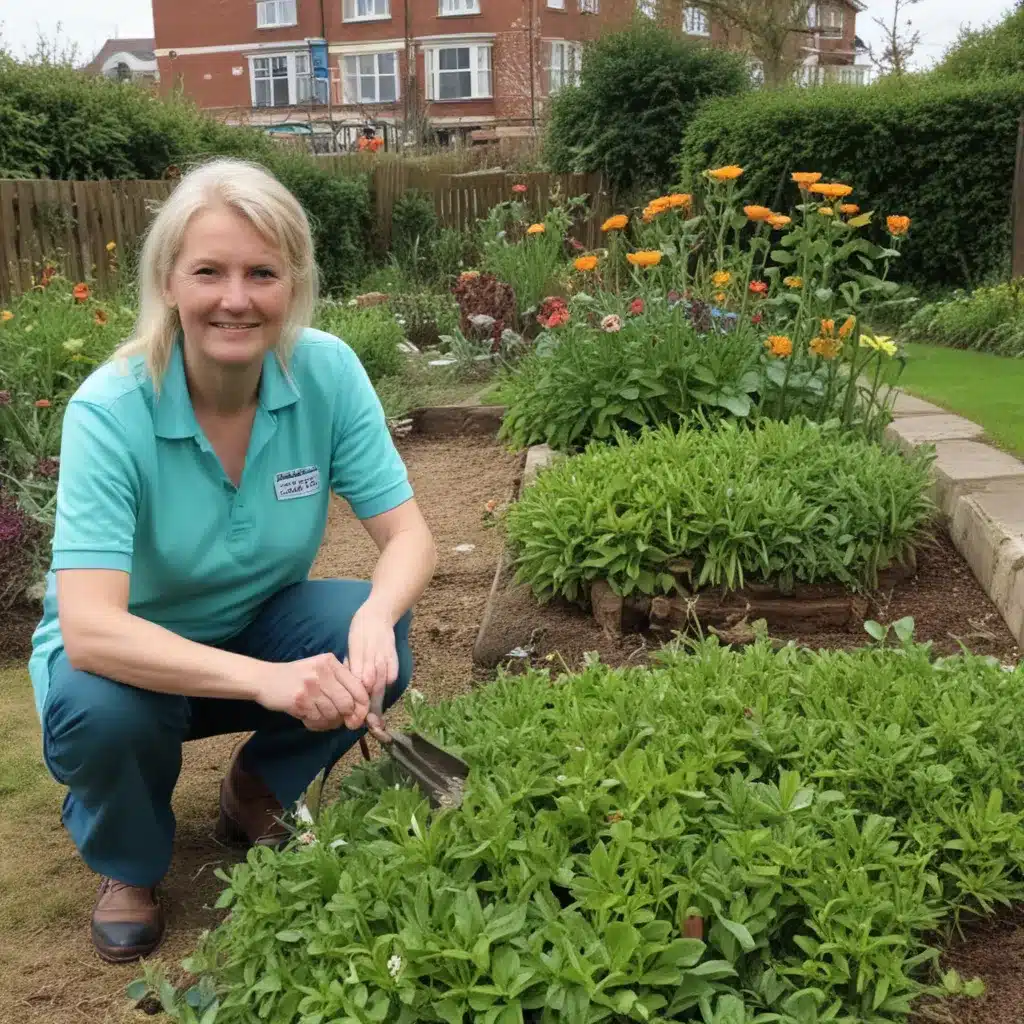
x,y
899,45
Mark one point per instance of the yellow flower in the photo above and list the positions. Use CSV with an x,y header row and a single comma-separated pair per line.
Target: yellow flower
x,y
111,246
806,178
728,173
644,258
758,213
793,282
536,229
897,225
779,220
849,209
879,344
720,296
469,275
848,325
616,223
827,348
779,345
585,263
720,278
826,211
833,190
6,315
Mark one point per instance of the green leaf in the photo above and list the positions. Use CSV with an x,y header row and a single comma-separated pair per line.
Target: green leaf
x,y
288,936
621,940
742,935
875,630
782,257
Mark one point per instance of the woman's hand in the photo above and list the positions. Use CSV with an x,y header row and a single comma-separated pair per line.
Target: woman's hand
x,y
372,655
320,691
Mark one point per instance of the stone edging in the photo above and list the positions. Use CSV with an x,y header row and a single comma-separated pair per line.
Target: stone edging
x,y
980,491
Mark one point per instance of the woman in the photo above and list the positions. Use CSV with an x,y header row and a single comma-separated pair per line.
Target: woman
x,y
196,469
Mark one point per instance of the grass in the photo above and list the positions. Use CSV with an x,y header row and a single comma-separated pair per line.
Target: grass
x,y
985,388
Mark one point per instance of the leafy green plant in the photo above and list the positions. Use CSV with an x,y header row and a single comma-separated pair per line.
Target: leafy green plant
x,y
731,837
987,319
778,503
987,53
373,334
414,231
424,315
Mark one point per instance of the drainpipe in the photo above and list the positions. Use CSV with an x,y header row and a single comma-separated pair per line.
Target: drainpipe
x,y
533,72
410,56
330,104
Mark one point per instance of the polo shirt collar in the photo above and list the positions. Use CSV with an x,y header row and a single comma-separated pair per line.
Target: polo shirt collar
x,y
174,416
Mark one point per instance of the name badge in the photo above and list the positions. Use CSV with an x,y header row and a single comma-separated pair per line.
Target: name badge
x,y
297,483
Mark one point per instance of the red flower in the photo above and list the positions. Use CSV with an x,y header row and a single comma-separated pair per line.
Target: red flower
x,y
759,287
519,189
80,292
756,318
49,273
43,403
553,312
636,307
100,318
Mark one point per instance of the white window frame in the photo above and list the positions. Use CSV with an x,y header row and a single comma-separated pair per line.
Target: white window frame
x,y
349,77
380,10
696,21
280,10
299,78
648,8
453,8
566,69
481,70
828,19
590,6
556,5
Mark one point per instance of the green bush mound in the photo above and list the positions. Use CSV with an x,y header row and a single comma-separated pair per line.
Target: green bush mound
x,y
991,52
637,89
781,502
941,152
987,319
827,816
373,334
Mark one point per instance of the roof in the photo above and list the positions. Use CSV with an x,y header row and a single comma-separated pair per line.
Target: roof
x,y
141,49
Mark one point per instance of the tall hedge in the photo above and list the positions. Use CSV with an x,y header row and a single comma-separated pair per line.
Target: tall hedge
x,y
637,89
940,152
988,52
56,122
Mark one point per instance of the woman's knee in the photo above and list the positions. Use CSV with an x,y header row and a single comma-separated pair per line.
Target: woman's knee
x,y
91,723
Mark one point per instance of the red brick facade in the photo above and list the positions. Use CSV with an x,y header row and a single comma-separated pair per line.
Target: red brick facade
x,y
457,64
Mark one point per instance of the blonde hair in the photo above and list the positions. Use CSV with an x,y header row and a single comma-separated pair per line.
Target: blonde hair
x,y
252,191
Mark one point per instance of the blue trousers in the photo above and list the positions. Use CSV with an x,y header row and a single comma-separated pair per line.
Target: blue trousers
x,y
118,748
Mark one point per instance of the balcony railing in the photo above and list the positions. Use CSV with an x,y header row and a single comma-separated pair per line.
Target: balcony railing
x,y
835,74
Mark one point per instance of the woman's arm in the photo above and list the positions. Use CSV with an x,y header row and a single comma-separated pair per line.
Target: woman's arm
x,y
102,637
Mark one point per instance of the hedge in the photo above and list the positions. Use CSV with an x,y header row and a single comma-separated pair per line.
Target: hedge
x,y
940,152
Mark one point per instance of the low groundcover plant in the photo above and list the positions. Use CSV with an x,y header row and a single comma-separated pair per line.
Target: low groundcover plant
x,y
731,837
777,503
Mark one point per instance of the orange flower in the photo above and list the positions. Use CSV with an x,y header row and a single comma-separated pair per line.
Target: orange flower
x,y
828,328
679,199
779,220
585,263
99,318
758,213
616,223
43,403
848,325
759,287
720,278
827,348
779,345
536,229
897,225
826,211
6,315
80,292
728,173
806,178
644,258
793,282
720,297
849,209
833,190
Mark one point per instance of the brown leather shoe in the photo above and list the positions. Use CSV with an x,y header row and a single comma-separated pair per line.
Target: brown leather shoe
x,y
127,922
249,812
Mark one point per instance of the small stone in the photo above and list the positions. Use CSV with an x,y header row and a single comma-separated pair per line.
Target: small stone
x,y
464,549
441,362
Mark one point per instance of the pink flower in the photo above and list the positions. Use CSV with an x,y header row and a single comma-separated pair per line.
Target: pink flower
x,y
5,398
519,189
553,312
611,323
636,307
756,318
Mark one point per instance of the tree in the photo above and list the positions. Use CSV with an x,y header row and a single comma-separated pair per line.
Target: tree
x,y
992,52
898,49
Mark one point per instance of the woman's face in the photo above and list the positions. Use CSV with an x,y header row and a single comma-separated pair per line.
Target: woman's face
x,y
231,288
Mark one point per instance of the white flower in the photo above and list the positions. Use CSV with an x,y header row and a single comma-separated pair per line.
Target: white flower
x,y
307,838
394,966
562,780
577,748
74,345
415,696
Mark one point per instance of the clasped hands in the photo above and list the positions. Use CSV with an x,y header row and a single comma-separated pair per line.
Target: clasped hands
x,y
324,692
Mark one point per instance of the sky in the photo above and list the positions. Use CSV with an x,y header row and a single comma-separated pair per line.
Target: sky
x,y
89,25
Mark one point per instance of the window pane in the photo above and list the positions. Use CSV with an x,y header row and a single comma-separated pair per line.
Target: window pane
x,y
262,92
260,67
447,60
367,65
279,66
382,7
386,63
302,64
388,89
463,52
465,84
368,89
280,92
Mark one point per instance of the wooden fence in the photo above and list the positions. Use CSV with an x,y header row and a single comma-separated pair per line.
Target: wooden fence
x,y
1017,207
71,222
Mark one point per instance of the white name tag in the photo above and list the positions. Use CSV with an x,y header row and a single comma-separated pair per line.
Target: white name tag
x,y
297,483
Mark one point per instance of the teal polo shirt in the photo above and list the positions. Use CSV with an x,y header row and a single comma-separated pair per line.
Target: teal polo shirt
x,y
142,491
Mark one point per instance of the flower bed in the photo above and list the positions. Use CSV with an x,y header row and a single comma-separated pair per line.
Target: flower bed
x,y
728,835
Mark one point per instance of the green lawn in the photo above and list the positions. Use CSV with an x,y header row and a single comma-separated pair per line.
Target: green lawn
x,y
986,389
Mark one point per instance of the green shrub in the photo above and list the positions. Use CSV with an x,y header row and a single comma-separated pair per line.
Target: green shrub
x,y
414,234
818,818
782,502
453,252
988,319
940,152
424,316
993,52
638,89
373,334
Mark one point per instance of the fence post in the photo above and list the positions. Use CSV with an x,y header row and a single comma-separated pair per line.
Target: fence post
x,y
1017,207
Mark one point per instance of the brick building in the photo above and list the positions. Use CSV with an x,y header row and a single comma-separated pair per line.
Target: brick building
x,y
485,67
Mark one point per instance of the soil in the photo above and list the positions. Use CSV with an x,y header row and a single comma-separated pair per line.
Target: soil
x,y
48,972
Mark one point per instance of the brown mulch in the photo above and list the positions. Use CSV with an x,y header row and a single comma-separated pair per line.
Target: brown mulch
x,y
48,973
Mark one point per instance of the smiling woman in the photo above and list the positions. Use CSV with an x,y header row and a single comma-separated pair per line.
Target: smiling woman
x,y
196,468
